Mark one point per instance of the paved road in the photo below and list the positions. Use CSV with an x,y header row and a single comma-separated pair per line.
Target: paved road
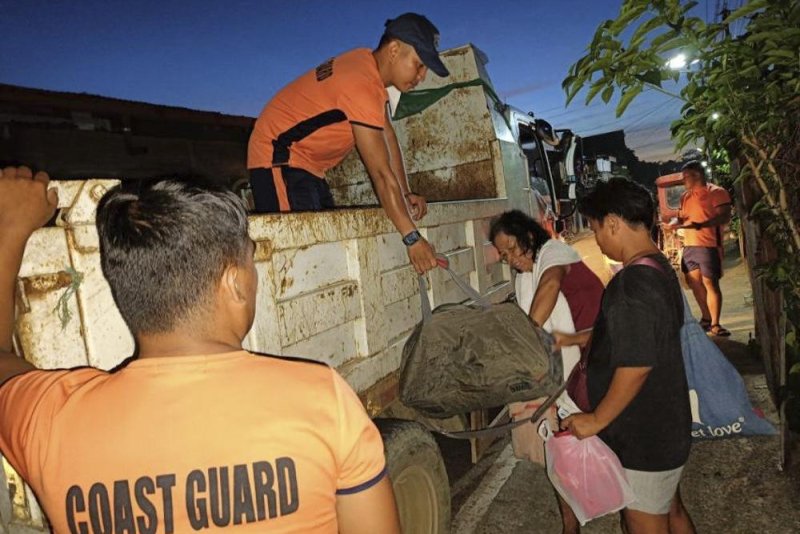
x,y
733,486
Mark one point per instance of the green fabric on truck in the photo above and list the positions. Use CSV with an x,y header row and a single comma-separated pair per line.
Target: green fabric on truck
x,y
414,102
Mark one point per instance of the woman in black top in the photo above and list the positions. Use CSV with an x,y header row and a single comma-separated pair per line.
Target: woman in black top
x,y
636,379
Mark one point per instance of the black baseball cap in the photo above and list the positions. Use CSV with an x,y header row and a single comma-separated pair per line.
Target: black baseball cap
x,y
419,32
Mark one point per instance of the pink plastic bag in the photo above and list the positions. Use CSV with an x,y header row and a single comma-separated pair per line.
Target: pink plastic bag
x,y
586,473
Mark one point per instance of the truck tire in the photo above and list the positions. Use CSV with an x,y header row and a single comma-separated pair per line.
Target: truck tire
x,y
418,475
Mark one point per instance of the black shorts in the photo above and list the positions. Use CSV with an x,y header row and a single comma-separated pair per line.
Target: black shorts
x,y
303,190
704,258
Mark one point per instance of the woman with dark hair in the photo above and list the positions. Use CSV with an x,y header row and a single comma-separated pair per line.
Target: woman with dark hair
x,y
560,293
635,377
546,270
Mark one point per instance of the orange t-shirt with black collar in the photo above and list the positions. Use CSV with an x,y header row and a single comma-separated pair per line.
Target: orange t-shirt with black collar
x,y
308,124
234,441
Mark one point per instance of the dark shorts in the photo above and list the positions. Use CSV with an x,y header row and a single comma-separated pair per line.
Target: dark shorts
x,y
289,189
704,258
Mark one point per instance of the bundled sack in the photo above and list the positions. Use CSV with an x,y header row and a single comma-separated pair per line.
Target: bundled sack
x,y
526,442
463,357
717,393
586,473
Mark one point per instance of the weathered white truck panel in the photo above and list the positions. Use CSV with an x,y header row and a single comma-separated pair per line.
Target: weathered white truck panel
x,y
457,149
333,286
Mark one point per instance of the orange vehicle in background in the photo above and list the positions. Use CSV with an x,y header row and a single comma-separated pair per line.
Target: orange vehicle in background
x,y
670,189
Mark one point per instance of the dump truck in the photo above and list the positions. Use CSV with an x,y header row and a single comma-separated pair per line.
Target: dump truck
x,y
335,286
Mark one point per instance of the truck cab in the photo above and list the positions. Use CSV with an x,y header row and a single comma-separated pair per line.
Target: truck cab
x,y
554,176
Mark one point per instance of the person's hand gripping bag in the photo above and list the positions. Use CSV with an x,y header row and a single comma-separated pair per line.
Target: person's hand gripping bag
x,y
586,473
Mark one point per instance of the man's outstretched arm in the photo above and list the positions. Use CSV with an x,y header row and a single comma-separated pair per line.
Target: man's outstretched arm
x,y
25,205
371,145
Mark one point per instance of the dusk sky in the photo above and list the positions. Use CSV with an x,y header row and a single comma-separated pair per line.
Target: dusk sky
x,y
232,56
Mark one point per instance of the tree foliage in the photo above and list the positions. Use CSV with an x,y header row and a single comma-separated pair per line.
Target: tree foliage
x,y
741,99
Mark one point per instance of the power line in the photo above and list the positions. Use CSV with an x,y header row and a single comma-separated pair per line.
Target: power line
x,y
636,107
652,143
576,110
621,124
657,136
555,108
594,105
663,109
664,121
663,157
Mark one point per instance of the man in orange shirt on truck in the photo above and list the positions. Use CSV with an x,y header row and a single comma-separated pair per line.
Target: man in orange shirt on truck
x,y
705,208
195,433
315,121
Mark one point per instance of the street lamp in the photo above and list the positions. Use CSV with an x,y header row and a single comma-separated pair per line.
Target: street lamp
x,y
680,62
677,62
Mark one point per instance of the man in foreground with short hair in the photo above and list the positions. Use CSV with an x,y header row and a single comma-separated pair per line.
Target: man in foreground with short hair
x,y
636,380
315,121
195,433
705,208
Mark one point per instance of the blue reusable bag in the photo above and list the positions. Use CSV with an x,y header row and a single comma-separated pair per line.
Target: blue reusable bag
x,y
717,394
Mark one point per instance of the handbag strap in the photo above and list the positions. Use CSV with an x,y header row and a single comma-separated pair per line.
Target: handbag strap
x,y
498,430
466,289
424,301
650,262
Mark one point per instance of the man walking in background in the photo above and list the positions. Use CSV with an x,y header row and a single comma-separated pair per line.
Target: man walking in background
x,y
705,208
315,121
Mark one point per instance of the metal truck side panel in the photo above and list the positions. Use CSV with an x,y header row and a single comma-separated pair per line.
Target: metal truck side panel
x,y
334,286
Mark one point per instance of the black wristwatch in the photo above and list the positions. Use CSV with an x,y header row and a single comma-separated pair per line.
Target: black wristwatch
x,y
411,238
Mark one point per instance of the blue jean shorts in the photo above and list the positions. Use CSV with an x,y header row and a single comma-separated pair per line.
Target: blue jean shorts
x,y
704,258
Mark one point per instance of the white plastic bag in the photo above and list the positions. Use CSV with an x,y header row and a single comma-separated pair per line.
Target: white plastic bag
x,y
586,473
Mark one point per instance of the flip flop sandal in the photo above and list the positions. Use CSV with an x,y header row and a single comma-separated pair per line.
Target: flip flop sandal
x,y
705,324
718,331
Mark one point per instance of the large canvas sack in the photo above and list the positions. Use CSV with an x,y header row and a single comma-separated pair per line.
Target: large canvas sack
x,y
717,393
526,441
462,357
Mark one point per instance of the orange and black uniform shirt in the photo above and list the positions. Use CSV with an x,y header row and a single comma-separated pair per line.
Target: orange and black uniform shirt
x,y
307,125
234,441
